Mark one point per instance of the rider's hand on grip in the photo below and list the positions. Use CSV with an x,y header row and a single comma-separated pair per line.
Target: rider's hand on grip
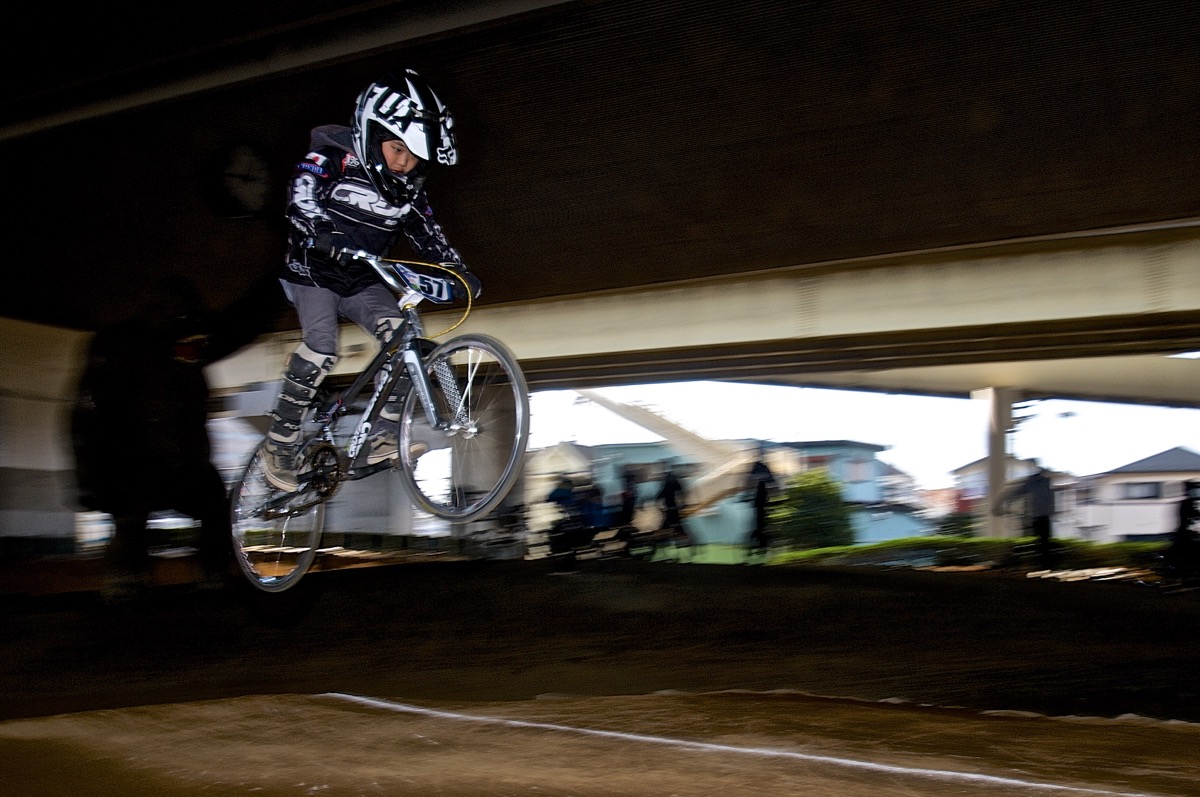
x,y
461,275
333,245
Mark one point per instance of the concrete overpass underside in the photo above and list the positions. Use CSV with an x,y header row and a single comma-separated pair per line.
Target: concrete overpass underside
x,y
1093,318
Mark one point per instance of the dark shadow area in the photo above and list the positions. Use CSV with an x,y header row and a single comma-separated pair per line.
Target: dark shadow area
x,y
508,630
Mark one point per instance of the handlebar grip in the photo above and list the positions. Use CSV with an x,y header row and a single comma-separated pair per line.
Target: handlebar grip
x,y
464,280
331,245
346,253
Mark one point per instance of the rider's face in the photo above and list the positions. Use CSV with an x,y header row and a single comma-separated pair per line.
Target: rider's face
x,y
398,157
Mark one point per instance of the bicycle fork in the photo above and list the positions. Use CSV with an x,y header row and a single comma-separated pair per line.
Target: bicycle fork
x,y
446,381
414,363
408,353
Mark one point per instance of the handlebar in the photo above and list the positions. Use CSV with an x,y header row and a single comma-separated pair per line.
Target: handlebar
x,y
414,286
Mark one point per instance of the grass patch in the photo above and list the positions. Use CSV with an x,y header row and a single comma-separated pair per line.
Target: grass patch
x,y
946,551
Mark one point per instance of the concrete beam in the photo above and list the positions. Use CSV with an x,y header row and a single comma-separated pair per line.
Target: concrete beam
x,y
1099,299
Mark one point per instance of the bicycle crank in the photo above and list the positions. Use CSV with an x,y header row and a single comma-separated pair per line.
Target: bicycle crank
x,y
325,468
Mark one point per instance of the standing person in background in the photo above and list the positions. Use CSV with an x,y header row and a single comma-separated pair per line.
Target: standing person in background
x,y
564,496
629,498
760,483
139,424
1039,510
359,189
1183,553
673,500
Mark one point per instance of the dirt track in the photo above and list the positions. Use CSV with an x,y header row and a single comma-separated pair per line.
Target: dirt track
x,y
591,648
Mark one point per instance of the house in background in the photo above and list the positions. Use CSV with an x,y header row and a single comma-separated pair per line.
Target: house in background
x,y
971,481
900,488
939,503
1135,502
1138,502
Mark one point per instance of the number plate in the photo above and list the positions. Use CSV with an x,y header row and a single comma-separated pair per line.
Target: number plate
x,y
435,289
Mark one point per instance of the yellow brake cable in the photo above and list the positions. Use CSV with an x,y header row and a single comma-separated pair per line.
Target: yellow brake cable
x,y
454,273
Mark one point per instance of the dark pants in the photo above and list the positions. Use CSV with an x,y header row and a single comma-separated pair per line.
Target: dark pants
x,y
1040,527
673,523
198,493
1183,554
758,535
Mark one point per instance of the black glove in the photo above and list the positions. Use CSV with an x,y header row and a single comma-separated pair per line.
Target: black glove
x,y
328,244
461,275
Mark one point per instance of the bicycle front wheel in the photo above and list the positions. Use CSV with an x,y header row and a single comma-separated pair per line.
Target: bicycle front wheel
x,y
275,535
463,471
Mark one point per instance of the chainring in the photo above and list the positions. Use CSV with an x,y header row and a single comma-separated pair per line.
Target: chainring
x,y
325,466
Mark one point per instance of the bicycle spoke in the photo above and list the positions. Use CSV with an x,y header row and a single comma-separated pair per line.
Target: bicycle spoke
x,y
466,470
275,536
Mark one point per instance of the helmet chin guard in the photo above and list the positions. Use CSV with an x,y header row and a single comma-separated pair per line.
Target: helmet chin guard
x,y
408,109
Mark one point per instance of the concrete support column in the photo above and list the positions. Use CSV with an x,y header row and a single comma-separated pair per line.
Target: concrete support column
x,y
1000,401
38,491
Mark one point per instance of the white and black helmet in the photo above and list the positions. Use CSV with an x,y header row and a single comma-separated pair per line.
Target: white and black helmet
x,y
408,109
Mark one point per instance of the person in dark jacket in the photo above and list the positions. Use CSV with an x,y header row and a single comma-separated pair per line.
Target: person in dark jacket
x,y
1183,552
1039,510
139,422
359,188
629,498
760,484
672,497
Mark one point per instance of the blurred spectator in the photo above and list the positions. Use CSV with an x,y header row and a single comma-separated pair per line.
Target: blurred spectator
x,y
629,498
761,484
1039,510
673,500
1183,554
139,423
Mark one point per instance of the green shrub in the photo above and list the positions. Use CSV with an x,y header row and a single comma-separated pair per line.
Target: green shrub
x,y
812,513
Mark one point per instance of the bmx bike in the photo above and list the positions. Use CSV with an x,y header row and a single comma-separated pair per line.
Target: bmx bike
x,y
461,441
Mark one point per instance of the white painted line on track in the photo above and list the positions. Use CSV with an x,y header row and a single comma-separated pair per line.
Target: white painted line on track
x,y
852,763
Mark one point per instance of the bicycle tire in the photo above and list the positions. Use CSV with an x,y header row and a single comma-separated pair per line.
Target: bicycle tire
x,y
273,553
466,471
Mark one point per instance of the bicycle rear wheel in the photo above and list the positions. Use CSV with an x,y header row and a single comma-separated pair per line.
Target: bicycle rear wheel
x,y
465,471
275,536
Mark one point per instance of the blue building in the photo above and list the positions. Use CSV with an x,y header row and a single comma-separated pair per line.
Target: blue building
x,y
882,499
879,495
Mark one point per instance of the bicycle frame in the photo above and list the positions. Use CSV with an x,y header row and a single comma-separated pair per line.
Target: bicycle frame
x,y
457,455
400,354
401,351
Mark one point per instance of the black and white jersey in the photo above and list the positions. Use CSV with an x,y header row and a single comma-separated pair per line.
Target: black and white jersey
x,y
330,192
